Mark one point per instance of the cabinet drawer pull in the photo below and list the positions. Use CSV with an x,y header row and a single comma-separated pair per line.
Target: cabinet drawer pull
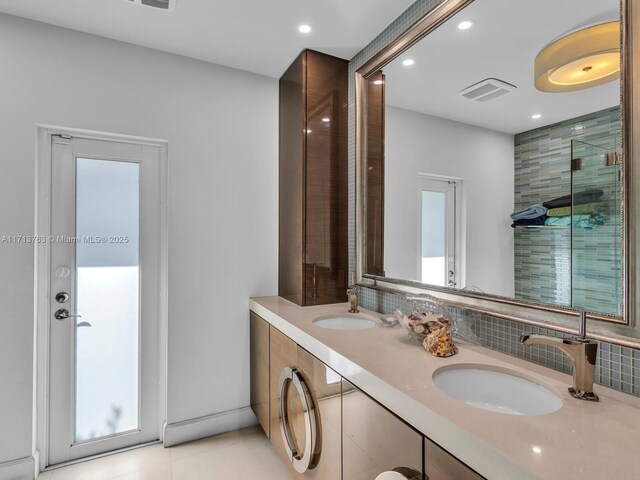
x,y
307,460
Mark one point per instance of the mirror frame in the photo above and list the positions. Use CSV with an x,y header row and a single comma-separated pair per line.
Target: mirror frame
x,y
623,329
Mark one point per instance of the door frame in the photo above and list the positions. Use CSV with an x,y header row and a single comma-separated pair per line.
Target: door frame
x,y
42,261
459,225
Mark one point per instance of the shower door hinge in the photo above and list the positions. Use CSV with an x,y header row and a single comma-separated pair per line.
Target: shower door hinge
x,y
612,158
576,164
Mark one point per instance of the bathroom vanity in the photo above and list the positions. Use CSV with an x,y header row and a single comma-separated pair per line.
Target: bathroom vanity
x,y
351,404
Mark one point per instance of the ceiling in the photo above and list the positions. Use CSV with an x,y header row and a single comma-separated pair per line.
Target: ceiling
x,y
503,43
254,35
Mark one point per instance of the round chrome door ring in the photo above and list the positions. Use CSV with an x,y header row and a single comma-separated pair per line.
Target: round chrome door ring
x,y
302,461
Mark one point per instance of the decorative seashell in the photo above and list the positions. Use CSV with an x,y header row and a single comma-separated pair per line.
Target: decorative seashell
x,y
433,326
419,329
430,317
440,343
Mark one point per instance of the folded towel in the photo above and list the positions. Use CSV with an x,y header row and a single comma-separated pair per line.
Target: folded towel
x,y
559,212
529,222
597,219
533,211
586,209
558,221
588,222
583,221
587,196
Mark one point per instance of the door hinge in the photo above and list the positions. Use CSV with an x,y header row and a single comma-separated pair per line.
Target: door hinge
x,y
59,139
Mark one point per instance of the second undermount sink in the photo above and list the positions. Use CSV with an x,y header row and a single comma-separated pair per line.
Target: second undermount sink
x,y
496,390
344,322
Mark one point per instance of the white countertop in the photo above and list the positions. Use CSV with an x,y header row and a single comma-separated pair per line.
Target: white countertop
x,y
582,440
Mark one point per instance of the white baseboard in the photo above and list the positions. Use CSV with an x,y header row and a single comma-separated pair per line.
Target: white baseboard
x,y
180,432
21,469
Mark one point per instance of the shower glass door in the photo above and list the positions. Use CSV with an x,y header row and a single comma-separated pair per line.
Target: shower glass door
x,y
596,227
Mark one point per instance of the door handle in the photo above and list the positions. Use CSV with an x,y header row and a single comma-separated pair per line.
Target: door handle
x,y
307,459
63,314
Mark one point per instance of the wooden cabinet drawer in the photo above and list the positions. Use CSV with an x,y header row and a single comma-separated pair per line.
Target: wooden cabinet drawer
x,y
441,465
324,388
374,440
259,365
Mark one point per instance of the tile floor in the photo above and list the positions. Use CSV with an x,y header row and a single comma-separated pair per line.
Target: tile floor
x,y
241,455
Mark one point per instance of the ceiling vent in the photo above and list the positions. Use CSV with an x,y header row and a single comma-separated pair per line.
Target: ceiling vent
x,y
159,4
487,90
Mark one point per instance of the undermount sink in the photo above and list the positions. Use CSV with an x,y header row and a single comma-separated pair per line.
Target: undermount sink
x,y
496,390
344,322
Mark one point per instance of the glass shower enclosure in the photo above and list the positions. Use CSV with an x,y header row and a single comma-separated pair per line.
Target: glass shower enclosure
x,y
596,226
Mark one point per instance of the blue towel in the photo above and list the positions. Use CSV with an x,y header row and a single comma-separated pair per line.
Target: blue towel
x,y
588,222
534,211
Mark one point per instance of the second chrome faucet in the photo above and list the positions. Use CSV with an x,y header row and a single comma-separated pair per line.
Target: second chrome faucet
x,y
583,354
352,293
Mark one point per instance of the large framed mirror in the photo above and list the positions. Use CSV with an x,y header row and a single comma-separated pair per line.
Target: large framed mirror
x,y
495,161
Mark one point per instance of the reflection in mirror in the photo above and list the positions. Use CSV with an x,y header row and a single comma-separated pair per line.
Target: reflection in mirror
x,y
494,163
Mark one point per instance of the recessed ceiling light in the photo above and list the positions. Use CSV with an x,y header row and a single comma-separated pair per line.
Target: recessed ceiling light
x,y
304,29
536,116
537,450
465,25
377,82
408,62
326,119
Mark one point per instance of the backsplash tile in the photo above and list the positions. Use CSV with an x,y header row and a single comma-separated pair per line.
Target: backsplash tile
x,y
617,367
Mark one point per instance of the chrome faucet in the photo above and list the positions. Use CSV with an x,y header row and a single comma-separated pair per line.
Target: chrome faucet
x,y
353,298
583,354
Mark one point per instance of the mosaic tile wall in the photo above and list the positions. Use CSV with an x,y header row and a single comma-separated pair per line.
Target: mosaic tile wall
x,y
618,367
543,263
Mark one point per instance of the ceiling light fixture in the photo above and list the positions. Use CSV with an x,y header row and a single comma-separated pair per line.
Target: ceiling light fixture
x,y
408,62
465,25
304,29
536,116
583,59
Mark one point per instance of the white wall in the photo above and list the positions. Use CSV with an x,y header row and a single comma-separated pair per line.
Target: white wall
x,y
417,143
221,125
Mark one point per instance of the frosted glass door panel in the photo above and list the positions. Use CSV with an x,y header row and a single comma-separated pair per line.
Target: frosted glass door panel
x,y
108,279
434,238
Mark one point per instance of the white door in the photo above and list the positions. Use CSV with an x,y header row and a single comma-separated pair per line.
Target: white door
x,y
437,242
104,296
